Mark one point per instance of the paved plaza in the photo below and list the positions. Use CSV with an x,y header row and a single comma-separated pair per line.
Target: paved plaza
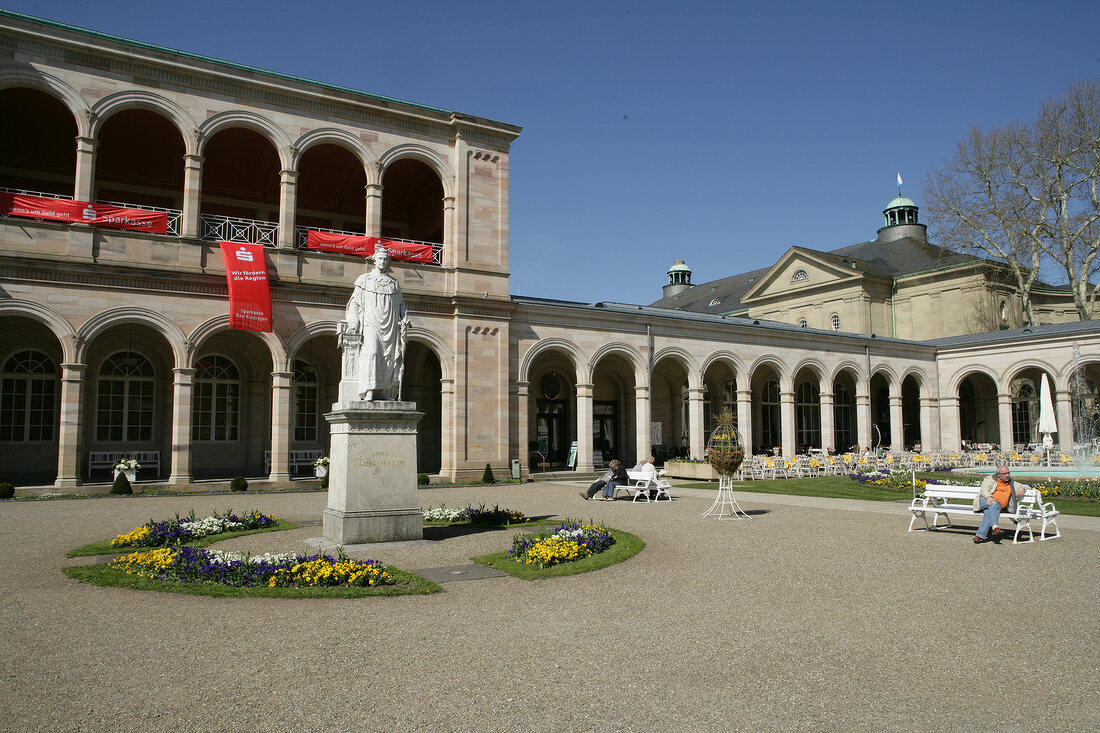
x,y
814,614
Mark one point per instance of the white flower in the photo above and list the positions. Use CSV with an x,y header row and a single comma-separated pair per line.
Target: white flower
x,y
127,464
322,461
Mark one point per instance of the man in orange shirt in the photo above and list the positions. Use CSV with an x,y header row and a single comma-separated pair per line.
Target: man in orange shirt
x,y
997,492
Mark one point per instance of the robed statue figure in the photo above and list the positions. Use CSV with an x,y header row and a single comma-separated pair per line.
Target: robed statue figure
x,y
376,312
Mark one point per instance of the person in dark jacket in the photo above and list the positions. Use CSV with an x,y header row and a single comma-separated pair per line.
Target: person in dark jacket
x,y
615,477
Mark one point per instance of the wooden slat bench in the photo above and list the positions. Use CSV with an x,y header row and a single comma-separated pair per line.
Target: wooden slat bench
x,y
297,459
108,459
643,482
946,500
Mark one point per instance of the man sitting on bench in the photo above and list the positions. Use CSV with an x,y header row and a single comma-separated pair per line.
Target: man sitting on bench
x,y
996,493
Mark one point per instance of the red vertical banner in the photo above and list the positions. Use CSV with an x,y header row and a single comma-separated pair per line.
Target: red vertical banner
x,y
249,295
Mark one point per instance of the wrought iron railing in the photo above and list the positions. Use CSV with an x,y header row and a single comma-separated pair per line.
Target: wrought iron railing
x,y
302,237
217,228
43,194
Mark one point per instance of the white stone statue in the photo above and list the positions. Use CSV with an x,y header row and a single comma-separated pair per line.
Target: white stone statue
x,y
374,338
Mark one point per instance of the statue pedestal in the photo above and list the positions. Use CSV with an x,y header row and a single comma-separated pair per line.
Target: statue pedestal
x,y
372,473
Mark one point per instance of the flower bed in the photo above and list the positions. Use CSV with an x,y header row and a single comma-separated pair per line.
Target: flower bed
x,y
177,531
699,470
1070,489
475,515
568,542
234,569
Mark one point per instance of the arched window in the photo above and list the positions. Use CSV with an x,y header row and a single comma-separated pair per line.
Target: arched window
x,y
802,323
124,406
1025,403
770,422
843,417
28,398
835,321
1086,409
799,276
217,403
808,421
306,414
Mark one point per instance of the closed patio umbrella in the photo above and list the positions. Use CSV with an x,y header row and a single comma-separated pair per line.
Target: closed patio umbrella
x,y
1047,423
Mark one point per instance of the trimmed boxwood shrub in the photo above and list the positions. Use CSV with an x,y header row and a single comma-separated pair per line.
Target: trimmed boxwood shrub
x,y
7,491
239,483
487,475
422,479
121,485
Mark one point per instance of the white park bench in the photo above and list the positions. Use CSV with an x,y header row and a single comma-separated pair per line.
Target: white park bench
x,y
946,500
108,459
643,482
297,459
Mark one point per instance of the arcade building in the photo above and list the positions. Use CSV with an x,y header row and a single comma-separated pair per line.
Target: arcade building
x,y
115,337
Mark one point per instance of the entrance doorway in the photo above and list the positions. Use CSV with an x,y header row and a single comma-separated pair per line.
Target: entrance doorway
x,y
605,429
550,430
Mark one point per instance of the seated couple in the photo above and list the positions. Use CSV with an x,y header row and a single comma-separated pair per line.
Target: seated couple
x,y
617,477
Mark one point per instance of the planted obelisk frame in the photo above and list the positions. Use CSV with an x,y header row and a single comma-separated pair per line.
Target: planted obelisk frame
x,y
372,460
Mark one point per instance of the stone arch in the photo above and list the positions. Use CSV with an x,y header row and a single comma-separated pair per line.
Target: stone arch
x,y
280,356
56,88
641,370
957,378
238,118
554,344
58,325
814,364
438,346
416,152
887,373
137,99
1030,363
336,136
851,366
723,356
916,373
684,358
785,377
299,338
100,322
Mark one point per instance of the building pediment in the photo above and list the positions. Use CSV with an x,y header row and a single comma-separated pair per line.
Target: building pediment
x,y
802,270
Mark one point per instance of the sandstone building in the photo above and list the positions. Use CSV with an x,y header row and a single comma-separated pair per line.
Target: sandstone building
x,y
114,340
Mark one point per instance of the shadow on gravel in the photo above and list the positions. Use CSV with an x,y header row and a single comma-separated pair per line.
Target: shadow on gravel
x,y
438,533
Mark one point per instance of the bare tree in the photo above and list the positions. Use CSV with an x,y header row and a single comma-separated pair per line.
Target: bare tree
x,y
976,204
1027,195
1067,160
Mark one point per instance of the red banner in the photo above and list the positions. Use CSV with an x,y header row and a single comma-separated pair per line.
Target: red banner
x,y
365,246
103,215
249,295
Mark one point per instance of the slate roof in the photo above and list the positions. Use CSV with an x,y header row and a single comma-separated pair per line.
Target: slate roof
x,y
889,259
1017,334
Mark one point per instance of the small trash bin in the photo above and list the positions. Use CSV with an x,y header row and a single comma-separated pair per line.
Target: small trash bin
x,y
516,469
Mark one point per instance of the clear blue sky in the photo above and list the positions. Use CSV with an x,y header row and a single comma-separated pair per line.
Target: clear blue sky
x,y
718,133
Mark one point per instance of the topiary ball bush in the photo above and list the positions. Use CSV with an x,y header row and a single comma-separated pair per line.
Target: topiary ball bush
x,y
121,485
7,491
239,483
422,479
487,475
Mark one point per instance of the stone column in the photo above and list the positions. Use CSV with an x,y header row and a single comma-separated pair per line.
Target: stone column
x,y
448,230
288,203
1004,415
584,428
519,424
786,417
929,438
1063,413
828,430
448,461
191,226
71,428
950,429
863,417
183,384
374,210
84,185
280,426
897,424
744,418
697,440
642,417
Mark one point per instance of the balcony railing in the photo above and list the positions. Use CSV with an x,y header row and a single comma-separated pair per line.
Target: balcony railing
x,y
302,237
231,229
216,228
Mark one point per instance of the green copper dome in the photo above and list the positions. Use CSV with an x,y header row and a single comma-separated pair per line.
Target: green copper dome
x,y
679,266
899,202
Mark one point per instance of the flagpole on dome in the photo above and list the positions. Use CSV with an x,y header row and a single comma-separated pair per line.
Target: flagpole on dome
x,y
899,184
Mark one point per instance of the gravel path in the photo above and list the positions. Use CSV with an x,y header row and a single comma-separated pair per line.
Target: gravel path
x,y
803,618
